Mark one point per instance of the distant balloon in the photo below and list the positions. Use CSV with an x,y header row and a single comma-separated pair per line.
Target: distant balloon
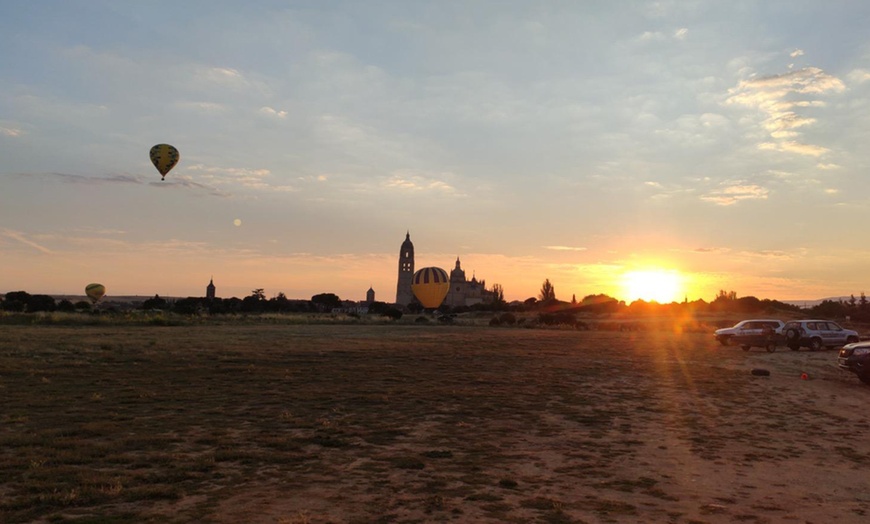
x,y
430,285
164,157
95,292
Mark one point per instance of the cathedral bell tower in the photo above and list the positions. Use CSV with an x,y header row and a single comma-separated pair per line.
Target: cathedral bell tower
x,y
404,296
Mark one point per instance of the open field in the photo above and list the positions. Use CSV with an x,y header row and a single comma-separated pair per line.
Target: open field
x,y
381,423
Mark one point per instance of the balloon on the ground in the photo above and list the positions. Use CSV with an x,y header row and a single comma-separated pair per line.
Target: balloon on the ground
x,y
95,292
164,157
430,285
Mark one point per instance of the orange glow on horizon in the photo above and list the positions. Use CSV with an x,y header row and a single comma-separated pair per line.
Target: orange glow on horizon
x,y
653,285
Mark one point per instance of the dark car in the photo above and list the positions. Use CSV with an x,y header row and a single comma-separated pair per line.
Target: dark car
x,y
856,358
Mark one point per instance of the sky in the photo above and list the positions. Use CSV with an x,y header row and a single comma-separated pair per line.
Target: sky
x,y
713,145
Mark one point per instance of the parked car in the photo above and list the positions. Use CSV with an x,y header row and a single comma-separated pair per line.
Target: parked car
x,y
817,334
751,333
856,358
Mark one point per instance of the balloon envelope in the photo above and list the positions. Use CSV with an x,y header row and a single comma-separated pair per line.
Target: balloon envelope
x,y
164,157
95,292
430,285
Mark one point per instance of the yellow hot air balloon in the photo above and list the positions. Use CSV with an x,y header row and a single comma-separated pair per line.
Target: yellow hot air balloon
x,y
95,292
164,157
430,285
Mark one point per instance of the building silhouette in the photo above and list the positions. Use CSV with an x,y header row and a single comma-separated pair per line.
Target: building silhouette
x,y
463,292
370,296
404,295
210,289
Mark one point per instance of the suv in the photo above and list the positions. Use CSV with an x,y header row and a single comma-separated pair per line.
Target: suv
x,y
856,358
751,333
817,334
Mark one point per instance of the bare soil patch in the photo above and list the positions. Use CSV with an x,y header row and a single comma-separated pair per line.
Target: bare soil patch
x,y
332,423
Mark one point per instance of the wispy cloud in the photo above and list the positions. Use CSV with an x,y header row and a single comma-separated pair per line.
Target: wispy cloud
x,y
238,177
84,179
565,248
779,97
187,182
272,112
10,131
735,193
19,237
418,182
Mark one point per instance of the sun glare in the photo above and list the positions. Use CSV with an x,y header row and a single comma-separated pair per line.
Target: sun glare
x,y
655,285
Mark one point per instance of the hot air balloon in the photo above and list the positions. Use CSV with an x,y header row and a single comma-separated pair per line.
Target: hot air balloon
x,y
164,157
95,292
430,285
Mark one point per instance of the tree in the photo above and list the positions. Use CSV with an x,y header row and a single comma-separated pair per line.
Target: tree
x,y
154,303
254,302
40,303
498,296
548,292
393,313
326,301
16,301
66,306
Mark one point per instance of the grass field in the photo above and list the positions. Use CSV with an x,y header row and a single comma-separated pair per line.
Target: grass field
x,y
430,423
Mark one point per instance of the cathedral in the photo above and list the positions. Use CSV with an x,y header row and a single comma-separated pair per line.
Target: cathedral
x,y
463,292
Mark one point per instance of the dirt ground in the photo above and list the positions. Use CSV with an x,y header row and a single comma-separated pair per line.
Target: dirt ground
x,y
317,424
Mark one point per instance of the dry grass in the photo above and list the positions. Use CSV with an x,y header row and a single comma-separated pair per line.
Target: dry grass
x,y
358,423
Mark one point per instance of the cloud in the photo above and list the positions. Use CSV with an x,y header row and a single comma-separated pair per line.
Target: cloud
x,y
796,53
17,236
268,111
733,194
794,147
827,167
10,131
858,76
565,248
778,97
407,180
203,107
681,33
187,182
243,177
83,179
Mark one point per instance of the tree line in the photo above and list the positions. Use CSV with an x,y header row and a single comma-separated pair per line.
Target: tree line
x,y
856,308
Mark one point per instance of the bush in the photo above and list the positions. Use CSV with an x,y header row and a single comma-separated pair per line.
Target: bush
x,y
392,313
507,318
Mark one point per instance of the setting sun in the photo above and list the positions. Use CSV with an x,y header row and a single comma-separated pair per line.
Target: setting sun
x,y
656,285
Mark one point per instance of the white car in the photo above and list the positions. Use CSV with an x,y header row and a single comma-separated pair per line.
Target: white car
x,y
759,332
817,334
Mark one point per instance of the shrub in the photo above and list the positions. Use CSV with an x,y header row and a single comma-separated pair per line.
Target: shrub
x,y
393,313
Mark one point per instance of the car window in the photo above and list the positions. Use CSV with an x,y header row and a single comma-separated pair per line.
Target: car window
x,y
834,327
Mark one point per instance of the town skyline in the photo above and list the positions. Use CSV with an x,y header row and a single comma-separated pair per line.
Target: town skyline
x,y
639,150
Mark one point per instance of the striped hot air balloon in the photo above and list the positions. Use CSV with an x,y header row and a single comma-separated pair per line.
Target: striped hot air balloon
x,y
95,292
430,285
